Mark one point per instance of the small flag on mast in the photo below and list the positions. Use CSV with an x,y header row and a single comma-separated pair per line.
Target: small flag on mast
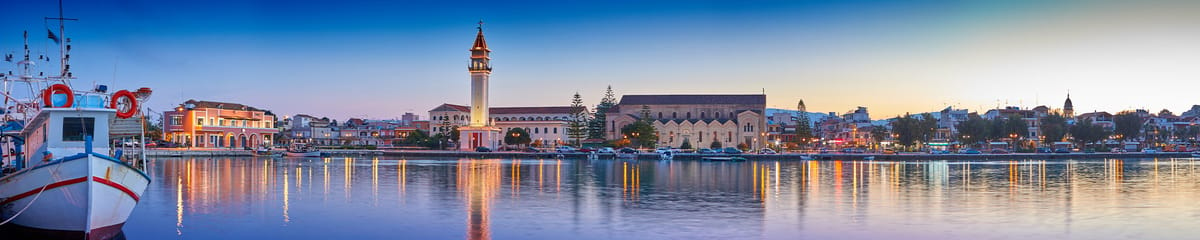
x,y
52,36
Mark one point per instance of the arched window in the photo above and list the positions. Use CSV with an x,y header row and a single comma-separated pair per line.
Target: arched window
x,y
701,115
555,130
689,115
659,115
701,138
674,115
718,114
730,138
535,130
546,130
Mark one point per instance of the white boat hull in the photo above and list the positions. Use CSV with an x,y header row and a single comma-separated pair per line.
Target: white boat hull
x,y
93,200
303,154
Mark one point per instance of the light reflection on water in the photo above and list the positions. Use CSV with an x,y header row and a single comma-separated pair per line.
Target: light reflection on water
x,y
389,198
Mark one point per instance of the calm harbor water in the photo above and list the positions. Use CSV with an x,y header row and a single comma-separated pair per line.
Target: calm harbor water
x,y
394,198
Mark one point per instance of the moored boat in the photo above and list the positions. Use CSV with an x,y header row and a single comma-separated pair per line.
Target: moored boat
x,y
66,184
59,177
300,150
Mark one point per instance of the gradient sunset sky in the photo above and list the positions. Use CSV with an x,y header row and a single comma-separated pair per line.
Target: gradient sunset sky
x,y
379,59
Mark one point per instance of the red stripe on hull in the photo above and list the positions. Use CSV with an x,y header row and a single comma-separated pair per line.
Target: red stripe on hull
x,y
73,181
117,186
48,187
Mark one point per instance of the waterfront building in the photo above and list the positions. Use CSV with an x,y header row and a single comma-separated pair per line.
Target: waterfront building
x,y
1103,119
311,130
547,125
1031,117
208,124
699,119
479,132
948,123
363,132
446,117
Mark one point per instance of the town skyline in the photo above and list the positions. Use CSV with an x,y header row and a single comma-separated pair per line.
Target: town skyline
x,y
836,56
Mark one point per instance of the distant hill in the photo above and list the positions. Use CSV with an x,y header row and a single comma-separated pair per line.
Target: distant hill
x,y
813,117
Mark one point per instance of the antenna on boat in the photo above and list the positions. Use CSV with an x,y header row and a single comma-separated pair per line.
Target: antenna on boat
x,y
64,46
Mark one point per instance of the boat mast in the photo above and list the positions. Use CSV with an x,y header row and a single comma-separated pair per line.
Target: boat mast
x,y
63,46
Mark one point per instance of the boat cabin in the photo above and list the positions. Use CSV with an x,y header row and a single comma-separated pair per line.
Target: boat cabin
x,y
63,132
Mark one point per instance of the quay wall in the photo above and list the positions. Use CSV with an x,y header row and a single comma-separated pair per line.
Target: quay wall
x,y
772,157
681,156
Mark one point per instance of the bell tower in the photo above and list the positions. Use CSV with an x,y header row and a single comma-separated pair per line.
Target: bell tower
x,y
480,68
479,131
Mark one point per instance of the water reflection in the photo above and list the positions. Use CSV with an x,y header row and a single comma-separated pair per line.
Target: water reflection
x,y
604,199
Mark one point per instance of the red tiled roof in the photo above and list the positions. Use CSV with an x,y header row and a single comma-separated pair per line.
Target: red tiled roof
x,y
531,110
451,107
693,99
220,105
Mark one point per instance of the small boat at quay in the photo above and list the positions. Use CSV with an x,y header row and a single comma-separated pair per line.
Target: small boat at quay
x,y
301,150
59,178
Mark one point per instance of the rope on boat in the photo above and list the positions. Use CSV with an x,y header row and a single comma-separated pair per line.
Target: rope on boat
x,y
35,198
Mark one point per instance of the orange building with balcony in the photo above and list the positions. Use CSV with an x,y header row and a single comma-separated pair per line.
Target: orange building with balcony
x,y
205,124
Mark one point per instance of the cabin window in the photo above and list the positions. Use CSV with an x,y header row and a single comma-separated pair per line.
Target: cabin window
x,y
75,128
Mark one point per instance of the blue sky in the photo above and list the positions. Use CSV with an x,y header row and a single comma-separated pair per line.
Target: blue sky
x,y
379,59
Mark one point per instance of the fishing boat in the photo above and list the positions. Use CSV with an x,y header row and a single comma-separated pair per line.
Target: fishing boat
x,y
301,150
60,178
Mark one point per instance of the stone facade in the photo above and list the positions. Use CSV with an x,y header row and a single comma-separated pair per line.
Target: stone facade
x,y
700,119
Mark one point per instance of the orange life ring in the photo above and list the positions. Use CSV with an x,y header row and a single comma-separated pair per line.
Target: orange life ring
x,y
133,104
61,89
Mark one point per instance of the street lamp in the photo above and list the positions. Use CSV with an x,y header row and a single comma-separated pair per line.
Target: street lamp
x,y
1013,138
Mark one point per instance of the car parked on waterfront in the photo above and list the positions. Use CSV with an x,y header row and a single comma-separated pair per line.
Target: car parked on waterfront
x,y
483,149
1062,150
1044,150
999,151
766,151
731,150
969,151
628,150
565,149
587,150
531,150
706,151
606,150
